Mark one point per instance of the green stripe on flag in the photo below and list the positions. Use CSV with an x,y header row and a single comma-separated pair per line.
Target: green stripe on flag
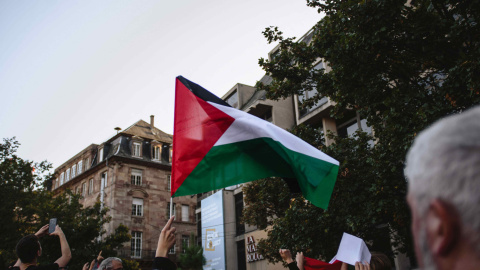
x,y
245,161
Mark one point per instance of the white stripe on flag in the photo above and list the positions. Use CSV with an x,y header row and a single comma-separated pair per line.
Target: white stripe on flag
x,y
248,127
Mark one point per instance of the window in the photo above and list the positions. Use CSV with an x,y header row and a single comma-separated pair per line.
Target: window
x,y
267,115
136,245
100,155
136,177
77,190
232,100
62,178
157,152
74,170
80,167
170,154
169,182
90,186
67,175
185,243
172,250
87,163
136,149
349,127
240,226
168,211
310,94
84,189
56,183
137,207
185,213
104,179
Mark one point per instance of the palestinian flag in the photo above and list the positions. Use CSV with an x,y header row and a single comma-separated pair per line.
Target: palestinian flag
x,y
216,146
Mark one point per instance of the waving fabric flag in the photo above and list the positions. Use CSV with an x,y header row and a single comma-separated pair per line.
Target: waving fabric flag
x,y
216,146
312,264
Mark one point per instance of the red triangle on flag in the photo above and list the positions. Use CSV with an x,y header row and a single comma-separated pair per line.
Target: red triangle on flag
x,y
197,127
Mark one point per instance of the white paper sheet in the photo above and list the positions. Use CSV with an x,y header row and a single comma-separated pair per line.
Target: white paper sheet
x,y
353,249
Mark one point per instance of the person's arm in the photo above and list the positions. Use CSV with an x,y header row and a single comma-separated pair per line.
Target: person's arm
x,y
165,241
66,253
96,263
91,265
300,260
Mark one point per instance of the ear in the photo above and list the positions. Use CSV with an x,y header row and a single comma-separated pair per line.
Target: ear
x,y
443,227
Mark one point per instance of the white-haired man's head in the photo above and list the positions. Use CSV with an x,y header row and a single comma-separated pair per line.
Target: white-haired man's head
x,y
111,263
443,165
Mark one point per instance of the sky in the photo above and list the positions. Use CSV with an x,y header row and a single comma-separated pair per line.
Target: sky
x,y
72,71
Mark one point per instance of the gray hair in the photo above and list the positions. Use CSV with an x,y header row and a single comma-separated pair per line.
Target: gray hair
x,y
444,163
107,263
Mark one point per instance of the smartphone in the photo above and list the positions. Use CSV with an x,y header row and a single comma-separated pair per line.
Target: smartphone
x,y
52,225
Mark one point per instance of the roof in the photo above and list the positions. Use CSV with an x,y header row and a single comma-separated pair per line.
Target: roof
x,y
143,129
258,94
91,147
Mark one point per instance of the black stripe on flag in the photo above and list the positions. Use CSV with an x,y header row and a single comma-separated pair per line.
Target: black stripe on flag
x,y
201,92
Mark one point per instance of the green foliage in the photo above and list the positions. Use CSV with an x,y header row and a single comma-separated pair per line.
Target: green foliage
x,y
193,258
130,264
28,206
265,198
18,180
399,66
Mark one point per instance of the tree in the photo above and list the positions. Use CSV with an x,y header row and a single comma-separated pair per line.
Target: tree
x,y
192,258
28,205
399,66
18,180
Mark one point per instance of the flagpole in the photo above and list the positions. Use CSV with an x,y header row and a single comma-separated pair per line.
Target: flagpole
x,y
171,206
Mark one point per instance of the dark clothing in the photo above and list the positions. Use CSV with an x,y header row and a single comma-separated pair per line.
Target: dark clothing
x,y
53,266
162,263
293,266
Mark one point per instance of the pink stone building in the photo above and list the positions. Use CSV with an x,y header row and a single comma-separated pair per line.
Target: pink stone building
x,y
130,174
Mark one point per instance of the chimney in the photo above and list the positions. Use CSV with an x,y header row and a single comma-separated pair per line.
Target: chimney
x,y
151,121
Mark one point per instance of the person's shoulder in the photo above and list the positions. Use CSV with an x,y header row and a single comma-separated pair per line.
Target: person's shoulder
x,y
52,266
162,263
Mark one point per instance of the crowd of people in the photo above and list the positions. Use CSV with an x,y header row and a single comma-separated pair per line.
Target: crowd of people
x,y
443,175
28,250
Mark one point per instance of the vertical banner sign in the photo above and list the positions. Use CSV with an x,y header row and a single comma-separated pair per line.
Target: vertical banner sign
x,y
213,236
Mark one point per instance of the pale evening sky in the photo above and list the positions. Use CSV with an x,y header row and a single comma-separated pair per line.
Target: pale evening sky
x,y
72,71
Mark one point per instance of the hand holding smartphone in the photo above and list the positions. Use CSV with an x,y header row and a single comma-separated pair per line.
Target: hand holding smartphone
x,y
52,225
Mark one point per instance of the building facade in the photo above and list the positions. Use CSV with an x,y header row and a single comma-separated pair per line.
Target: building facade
x,y
241,239
130,175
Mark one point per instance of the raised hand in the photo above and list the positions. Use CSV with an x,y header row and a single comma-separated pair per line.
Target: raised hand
x,y
362,266
43,231
99,257
91,265
166,239
300,260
